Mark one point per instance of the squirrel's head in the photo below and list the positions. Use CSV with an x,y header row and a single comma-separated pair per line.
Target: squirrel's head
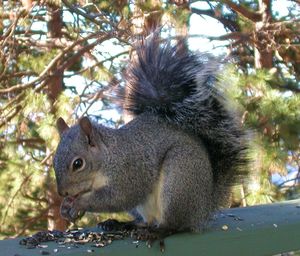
x,y
77,162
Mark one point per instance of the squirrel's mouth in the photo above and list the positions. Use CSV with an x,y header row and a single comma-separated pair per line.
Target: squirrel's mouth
x,y
80,194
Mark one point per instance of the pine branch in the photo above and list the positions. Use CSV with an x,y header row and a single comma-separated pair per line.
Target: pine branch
x,y
231,25
29,143
44,161
288,85
9,117
48,44
68,63
253,16
232,36
29,221
99,63
86,15
26,179
53,63
14,101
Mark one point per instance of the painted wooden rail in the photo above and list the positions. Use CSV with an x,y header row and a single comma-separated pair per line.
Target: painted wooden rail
x,y
258,230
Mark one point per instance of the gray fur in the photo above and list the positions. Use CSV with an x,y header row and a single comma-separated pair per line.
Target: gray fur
x,y
173,163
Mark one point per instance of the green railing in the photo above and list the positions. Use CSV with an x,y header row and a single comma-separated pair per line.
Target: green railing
x,y
258,230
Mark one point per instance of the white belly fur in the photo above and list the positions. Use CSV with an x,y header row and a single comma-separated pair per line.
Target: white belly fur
x,y
151,210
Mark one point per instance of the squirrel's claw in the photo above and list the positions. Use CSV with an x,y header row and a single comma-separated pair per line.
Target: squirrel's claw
x,y
140,232
152,234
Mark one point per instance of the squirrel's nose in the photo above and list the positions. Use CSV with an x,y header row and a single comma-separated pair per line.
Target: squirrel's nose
x,y
62,189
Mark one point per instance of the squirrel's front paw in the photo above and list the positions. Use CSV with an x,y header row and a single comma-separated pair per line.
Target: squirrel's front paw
x,y
69,211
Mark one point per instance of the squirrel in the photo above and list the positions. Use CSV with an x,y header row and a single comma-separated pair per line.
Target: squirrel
x,y
174,162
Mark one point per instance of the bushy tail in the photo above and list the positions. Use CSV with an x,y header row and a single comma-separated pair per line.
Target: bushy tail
x,y
181,86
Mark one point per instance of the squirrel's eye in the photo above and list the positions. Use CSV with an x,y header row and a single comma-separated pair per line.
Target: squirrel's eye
x,y
78,164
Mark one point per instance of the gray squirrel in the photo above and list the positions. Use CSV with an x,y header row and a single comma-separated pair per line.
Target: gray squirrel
x,y
174,162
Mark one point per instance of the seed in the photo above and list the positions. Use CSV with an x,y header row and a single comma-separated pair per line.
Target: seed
x,y
225,227
42,246
101,244
238,218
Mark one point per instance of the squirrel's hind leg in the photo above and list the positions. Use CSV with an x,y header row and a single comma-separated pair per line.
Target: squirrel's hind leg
x,y
186,193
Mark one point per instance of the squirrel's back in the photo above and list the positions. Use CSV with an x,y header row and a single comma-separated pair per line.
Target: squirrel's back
x,y
182,87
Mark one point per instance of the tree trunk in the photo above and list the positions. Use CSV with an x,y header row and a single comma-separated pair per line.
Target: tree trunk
x,y
54,87
263,53
55,221
1,19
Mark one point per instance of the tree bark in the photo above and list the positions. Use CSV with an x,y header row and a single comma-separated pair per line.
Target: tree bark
x,y
54,88
263,53
55,25
253,16
55,221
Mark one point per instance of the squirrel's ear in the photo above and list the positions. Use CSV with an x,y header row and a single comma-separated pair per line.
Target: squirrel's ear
x,y
61,126
87,128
